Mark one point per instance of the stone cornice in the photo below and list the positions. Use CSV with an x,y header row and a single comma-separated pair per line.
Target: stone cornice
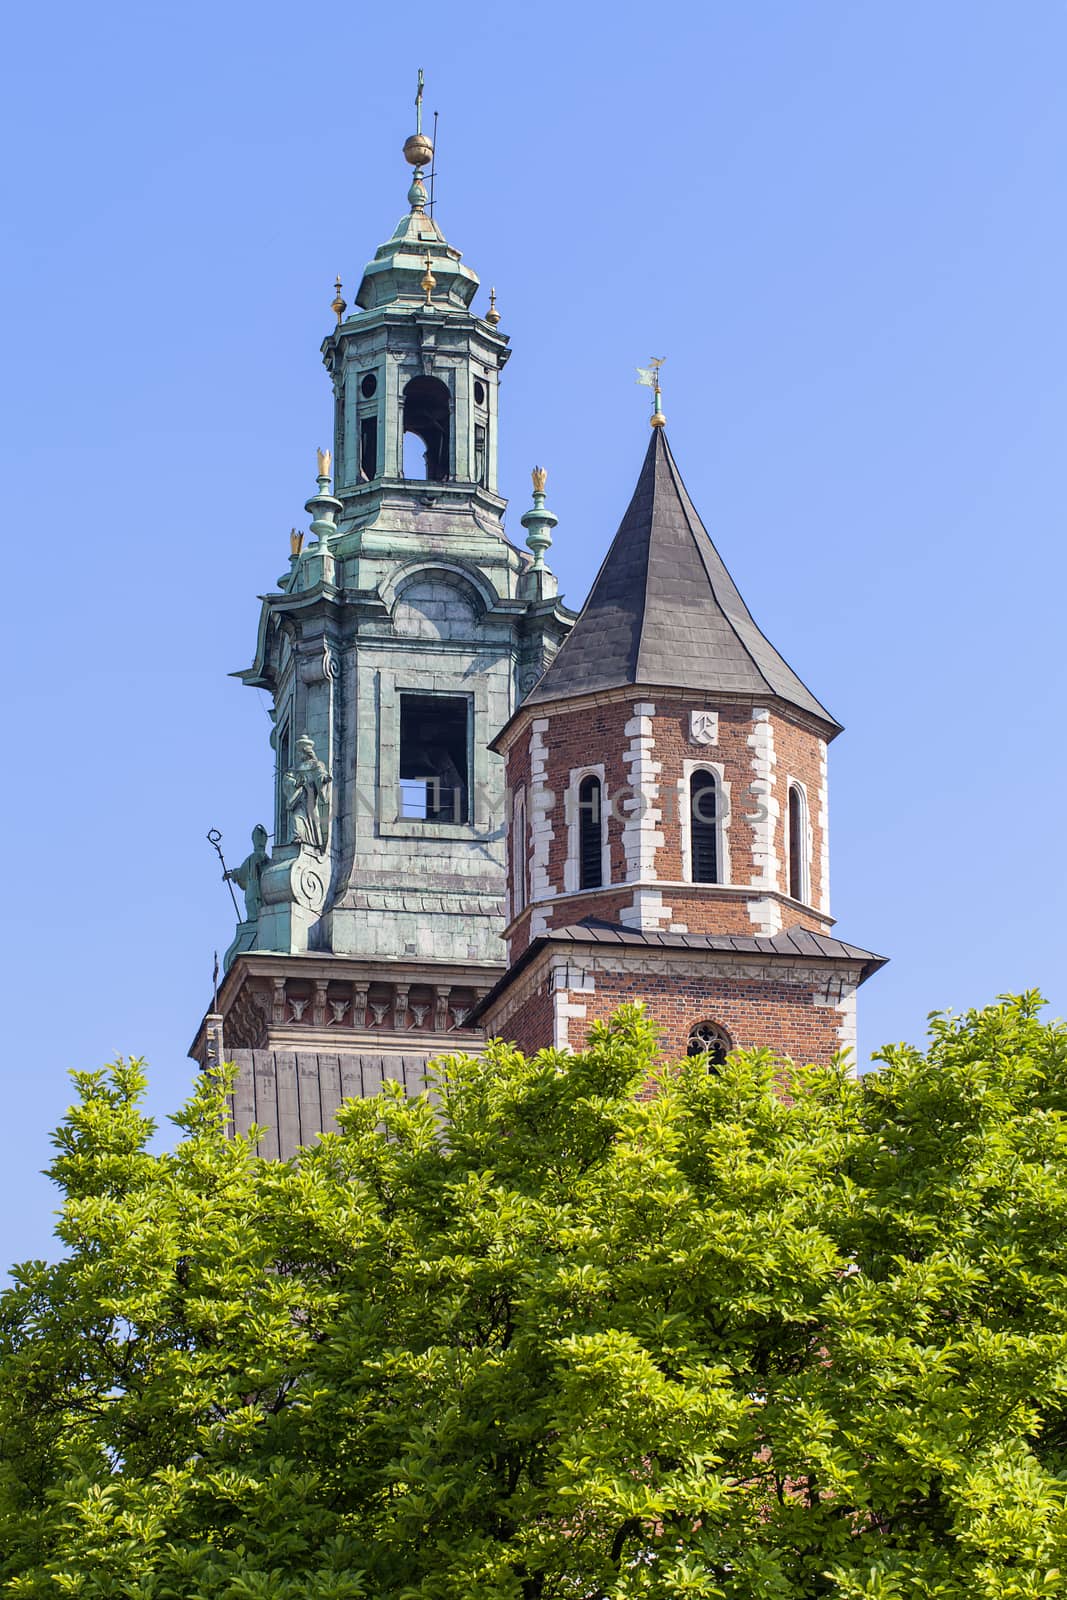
x,y
710,892
359,971
544,956
659,694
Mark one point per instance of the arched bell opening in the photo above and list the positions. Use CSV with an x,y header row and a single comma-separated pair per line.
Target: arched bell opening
x,y
427,418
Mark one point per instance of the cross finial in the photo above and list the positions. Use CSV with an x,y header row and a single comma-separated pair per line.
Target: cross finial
x,y
419,151
649,378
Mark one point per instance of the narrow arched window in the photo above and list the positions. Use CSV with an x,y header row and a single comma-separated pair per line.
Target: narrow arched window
x,y
590,834
710,1039
427,416
704,827
518,855
798,844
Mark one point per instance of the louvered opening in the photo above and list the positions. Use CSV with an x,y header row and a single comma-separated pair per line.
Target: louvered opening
x,y
590,834
704,827
797,845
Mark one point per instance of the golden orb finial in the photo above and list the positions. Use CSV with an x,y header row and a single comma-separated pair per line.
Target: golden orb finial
x,y
338,305
418,150
492,316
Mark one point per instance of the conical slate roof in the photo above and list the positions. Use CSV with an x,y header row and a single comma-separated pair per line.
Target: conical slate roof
x,y
665,612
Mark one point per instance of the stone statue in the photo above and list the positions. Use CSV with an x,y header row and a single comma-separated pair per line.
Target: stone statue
x,y
247,876
306,787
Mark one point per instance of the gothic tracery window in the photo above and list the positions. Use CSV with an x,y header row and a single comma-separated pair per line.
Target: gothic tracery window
x,y
712,1039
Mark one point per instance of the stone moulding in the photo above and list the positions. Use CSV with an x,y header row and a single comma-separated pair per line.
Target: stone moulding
x,y
333,1003
830,980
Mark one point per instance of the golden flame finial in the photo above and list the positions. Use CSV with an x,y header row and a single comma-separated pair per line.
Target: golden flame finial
x,y
429,282
296,542
325,459
540,478
338,305
492,316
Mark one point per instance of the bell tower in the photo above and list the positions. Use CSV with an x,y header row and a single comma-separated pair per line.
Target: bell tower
x,y
403,635
416,377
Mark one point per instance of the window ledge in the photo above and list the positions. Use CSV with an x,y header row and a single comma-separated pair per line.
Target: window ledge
x,y
416,828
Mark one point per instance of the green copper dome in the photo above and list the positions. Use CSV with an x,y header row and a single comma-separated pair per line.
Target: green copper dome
x,y
399,266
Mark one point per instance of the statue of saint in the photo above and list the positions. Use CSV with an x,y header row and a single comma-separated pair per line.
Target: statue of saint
x,y
248,874
306,787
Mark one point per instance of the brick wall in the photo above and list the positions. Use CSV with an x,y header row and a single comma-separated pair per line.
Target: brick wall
x,y
583,736
798,753
756,1012
732,753
698,909
530,1025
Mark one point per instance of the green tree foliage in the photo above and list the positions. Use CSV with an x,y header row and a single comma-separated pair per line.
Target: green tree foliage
x,y
545,1338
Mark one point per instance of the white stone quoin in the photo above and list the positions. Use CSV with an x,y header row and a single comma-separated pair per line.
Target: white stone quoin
x,y
824,831
642,835
767,867
542,804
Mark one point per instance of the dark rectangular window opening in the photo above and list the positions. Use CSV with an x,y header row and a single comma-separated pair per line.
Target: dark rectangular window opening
x,y
368,448
479,453
434,757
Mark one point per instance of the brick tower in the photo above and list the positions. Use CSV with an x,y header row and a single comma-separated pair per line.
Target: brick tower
x,y
669,802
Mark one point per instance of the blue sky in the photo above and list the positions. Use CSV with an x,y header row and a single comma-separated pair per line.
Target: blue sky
x,y
844,226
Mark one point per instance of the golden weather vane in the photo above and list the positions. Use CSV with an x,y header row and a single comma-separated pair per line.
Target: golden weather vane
x,y
649,378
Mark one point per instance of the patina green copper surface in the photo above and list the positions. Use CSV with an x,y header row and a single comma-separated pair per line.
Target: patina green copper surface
x,y
408,586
